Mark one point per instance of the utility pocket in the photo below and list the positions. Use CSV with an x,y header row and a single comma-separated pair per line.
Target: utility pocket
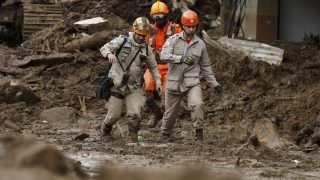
x,y
196,55
191,80
173,83
177,50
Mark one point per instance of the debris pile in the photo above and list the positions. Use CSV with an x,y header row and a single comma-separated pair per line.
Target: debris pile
x,y
58,70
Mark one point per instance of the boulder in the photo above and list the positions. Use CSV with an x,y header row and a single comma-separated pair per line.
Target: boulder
x,y
58,115
19,153
12,91
267,134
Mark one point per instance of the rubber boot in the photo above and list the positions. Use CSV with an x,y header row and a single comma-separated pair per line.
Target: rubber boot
x,y
133,128
165,138
106,129
199,135
155,117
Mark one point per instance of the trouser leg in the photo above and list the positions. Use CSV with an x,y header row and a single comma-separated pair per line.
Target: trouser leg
x,y
134,103
172,103
195,105
115,106
156,114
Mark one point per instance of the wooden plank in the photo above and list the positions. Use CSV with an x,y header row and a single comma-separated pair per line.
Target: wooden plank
x,y
43,5
32,14
36,60
56,19
43,8
49,21
47,11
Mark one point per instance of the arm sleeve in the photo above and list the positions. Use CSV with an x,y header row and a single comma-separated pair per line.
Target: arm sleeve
x,y
112,46
206,68
167,55
152,65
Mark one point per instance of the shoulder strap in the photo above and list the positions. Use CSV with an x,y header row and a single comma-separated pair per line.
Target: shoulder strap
x,y
128,67
125,39
147,49
121,46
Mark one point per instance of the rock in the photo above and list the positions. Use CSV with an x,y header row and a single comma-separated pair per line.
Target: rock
x,y
59,115
18,153
187,172
309,133
12,125
12,91
82,137
44,156
267,134
315,138
28,174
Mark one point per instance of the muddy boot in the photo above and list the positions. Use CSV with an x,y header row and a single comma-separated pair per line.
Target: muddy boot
x,y
156,113
106,129
132,135
155,117
165,138
133,128
199,135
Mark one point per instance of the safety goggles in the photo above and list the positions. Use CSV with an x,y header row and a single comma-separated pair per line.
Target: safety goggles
x,y
158,16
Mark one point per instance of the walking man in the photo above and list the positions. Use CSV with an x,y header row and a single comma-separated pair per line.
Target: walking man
x,y
187,56
160,31
129,57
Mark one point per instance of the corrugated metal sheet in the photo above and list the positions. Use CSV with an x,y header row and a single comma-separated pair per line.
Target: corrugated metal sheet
x,y
255,50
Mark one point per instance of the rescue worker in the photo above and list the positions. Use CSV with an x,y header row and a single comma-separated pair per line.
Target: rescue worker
x,y
129,57
187,56
161,30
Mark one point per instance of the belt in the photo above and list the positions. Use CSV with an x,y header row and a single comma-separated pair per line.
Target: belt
x,y
161,62
117,95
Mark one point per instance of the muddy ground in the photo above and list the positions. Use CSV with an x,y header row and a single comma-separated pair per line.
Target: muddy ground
x,y
265,126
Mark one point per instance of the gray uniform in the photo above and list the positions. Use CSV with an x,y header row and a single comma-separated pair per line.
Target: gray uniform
x,y
132,93
183,80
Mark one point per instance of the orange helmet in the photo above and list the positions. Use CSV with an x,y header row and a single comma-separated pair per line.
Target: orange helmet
x,y
159,7
189,18
141,26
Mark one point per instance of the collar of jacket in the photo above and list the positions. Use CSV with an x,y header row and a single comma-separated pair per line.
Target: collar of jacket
x,y
194,40
133,42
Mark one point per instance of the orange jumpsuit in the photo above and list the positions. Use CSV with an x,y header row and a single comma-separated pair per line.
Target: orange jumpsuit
x,y
157,37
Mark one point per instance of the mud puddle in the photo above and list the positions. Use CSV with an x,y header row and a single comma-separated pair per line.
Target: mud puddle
x,y
93,160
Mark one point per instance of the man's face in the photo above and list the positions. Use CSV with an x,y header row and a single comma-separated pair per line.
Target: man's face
x,y
160,20
139,38
190,30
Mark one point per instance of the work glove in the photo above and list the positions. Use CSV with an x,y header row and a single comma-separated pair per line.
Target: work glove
x,y
112,58
157,55
218,90
159,88
187,59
